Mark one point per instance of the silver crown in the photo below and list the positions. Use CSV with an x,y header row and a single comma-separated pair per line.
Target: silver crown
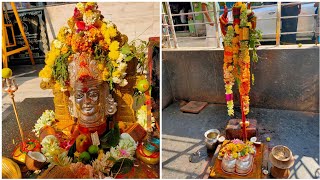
x,y
84,70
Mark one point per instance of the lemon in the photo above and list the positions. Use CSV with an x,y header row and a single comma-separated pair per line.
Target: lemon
x,y
6,73
143,85
268,139
93,149
85,156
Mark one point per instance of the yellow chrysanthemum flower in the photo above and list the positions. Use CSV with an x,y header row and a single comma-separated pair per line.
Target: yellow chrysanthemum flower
x,y
62,34
236,29
90,4
114,64
243,7
230,112
52,56
88,13
103,27
101,66
112,32
228,88
113,55
80,6
105,74
116,73
114,46
46,72
230,68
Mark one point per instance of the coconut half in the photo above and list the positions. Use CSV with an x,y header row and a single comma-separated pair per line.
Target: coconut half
x,y
35,160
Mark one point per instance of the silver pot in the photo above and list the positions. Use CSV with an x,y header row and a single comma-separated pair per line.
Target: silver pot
x,y
211,137
228,163
244,165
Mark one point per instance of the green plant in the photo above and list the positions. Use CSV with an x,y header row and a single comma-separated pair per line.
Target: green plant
x,y
60,68
243,18
228,37
254,42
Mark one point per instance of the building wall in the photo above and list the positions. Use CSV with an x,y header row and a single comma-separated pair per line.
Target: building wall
x,y
167,96
135,19
284,78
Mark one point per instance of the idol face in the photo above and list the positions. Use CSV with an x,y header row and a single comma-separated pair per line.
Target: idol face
x,y
87,100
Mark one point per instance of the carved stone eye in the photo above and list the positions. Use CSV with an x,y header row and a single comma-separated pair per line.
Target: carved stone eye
x,y
93,94
79,95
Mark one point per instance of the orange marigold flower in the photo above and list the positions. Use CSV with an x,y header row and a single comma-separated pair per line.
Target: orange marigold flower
x,y
83,64
64,49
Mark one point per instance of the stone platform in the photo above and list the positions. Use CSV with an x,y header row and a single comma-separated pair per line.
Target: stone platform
x,y
234,130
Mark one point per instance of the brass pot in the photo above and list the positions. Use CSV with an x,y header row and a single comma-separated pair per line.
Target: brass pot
x,y
211,138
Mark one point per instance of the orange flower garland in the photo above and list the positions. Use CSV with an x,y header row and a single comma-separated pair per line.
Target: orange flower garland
x,y
245,76
228,70
236,65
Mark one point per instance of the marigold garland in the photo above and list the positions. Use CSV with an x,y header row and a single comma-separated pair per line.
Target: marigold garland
x,y
228,69
237,149
88,32
239,37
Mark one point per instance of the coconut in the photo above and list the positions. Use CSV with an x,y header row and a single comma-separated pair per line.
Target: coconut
x,y
45,131
35,160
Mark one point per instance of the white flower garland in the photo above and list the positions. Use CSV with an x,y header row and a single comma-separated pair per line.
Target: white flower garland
x,y
46,119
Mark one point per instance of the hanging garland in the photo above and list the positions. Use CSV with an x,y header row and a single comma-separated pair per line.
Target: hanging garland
x,y
228,69
238,38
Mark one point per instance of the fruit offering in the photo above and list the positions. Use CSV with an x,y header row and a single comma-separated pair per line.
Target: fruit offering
x,y
6,73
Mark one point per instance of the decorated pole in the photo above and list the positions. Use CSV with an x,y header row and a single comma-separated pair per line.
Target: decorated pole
x,y
238,38
244,131
17,117
11,88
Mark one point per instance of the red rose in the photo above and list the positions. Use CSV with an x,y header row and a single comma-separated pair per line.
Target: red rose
x,y
148,102
76,13
80,25
91,26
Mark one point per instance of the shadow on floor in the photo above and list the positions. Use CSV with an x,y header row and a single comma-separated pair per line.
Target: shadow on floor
x,y
295,129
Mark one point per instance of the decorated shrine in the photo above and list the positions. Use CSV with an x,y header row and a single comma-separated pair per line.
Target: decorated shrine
x,y
105,121
244,158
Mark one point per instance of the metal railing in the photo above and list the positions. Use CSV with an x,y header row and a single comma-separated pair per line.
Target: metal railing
x,y
278,18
